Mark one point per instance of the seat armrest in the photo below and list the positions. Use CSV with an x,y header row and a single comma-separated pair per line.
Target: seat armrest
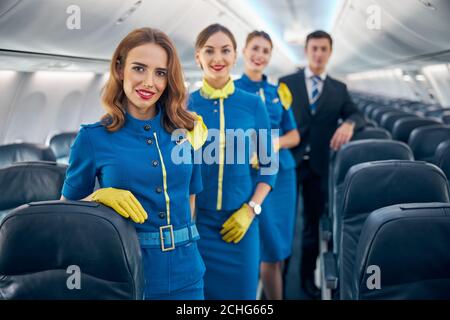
x,y
330,277
326,233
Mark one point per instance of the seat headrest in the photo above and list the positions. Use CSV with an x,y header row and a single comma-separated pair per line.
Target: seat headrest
x,y
365,151
446,118
409,245
61,143
442,153
424,140
43,244
20,152
30,181
403,127
390,114
373,185
371,133
388,120
377,114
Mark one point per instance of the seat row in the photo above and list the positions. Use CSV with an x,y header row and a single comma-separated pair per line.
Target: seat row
x,y
58,150
366,176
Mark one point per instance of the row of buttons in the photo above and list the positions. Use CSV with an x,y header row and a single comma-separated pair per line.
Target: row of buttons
x,y
155,163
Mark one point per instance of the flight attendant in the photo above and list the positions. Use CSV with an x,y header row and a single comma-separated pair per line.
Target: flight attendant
x,y
277,224
230,200
130,153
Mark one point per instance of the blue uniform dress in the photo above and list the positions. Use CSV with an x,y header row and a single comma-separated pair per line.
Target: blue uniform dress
x,y
277,220
232,270
133,159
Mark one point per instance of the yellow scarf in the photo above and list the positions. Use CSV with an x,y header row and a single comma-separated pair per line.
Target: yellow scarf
x,y
211,93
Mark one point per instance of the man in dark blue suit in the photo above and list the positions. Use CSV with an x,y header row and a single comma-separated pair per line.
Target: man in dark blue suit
x,y
326,118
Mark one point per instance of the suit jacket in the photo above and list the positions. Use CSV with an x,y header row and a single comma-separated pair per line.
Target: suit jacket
x,y
317,130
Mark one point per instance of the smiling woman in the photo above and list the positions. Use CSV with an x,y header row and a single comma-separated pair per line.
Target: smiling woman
x,y
129,152
227,208
146,66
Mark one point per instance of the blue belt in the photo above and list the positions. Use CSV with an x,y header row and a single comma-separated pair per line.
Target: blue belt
x,y
167,237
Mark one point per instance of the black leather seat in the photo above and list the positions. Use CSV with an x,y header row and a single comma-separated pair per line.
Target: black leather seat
x,y
371,133
446,118
69,250
26,182
370,123
434,111
378,113
403,127
388,119
20,152
442,157
408,243
425,140
60,145
374,185
371,108
352,154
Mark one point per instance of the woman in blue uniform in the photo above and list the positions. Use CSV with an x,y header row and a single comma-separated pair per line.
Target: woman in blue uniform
x,y
229,202
130,153
278,222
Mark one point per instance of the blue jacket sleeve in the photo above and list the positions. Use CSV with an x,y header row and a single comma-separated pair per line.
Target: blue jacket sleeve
x,y
288,121
80,175
268,162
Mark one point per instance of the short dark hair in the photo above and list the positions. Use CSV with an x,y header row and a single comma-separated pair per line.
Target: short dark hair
x,y
319,34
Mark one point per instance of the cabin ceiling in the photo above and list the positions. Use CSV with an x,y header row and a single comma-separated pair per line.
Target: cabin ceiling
x,y
410,31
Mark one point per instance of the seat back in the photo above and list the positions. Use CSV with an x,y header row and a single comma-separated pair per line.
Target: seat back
x,y
442,157
21,152
60,145
371,133
425,140
446,118
374,185
403,127
378,113
69,250
355,153
407,245
388,119
26,182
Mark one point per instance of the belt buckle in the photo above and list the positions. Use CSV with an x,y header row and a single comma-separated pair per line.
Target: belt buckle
x,y
161,236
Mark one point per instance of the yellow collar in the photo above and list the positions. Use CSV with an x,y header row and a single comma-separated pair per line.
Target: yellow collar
x,y
212,93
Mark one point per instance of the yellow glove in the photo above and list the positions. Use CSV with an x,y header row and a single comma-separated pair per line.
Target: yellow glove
x,y
237,225
254,161
122,201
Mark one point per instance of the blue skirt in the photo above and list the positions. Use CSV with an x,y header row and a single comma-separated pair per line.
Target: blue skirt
x,y
232,270
277,219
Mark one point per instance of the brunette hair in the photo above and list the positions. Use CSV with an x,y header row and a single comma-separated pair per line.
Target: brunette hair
x,y
260,33
206,33
174,111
